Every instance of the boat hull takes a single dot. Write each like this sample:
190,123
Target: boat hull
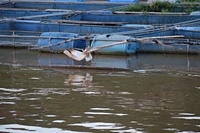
168,49
58,42
120,49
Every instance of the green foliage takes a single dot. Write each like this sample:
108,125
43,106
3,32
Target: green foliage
189,10
165,7
154,7
189,0
159,6
138,7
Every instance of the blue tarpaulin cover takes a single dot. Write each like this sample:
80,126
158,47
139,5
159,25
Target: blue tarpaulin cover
69,0
124,1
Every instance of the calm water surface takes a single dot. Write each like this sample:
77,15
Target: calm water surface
159,94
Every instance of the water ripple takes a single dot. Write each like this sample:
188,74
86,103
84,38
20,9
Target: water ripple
2,118
186,114
7,102
188,118
58,121
127,131
90,93
50,115
99,125
16,128
10,98
104,113
33,99
101,109
12,90
35,78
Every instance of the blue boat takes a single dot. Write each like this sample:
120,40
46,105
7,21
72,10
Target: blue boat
57,42
173,48
121,49
123,1
42,5
188,32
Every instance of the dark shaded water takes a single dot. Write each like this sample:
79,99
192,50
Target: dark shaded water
160,93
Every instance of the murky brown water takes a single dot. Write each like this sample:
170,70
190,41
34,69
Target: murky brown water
159,94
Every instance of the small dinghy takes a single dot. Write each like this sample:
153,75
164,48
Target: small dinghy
57,42
126,48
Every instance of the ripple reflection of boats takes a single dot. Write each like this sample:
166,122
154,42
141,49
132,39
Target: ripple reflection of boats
149,62
124,62
134,62
52,59
99,61
168,61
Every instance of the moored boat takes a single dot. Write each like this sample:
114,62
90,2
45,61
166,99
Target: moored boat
57,42
120,49
173,48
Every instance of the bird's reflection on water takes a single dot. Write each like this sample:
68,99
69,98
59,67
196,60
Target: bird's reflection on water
79,80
